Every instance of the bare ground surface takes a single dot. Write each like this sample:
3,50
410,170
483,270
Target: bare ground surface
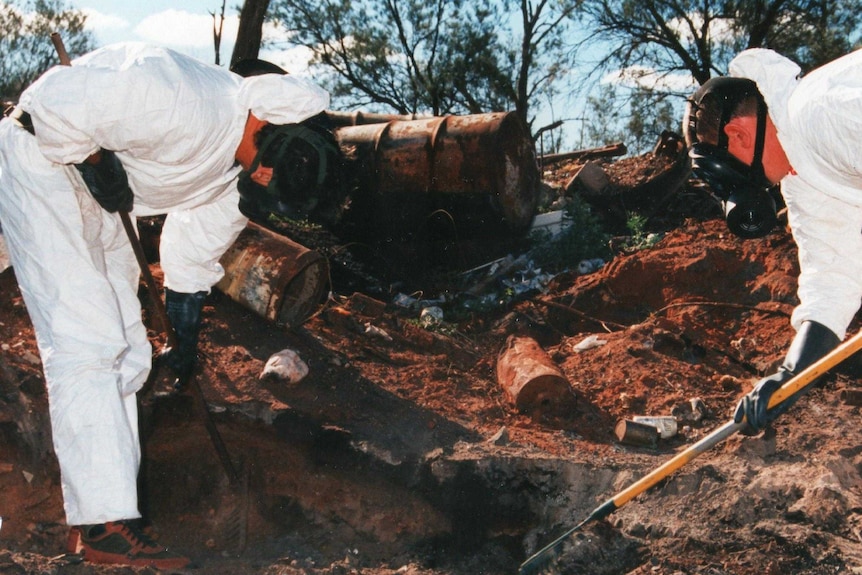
401,453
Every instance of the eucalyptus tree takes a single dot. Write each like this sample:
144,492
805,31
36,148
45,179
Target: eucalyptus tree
655,52
26,50
435,56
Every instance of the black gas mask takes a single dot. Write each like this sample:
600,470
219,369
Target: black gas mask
301,158
304,158
743,191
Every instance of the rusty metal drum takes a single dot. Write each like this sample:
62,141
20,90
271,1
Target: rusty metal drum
481,169
273,276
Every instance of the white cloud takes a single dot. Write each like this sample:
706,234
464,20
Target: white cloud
293,60
99,22
642,77
179,28
720,29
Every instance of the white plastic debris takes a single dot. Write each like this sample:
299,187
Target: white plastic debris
431,316
287,365
589,342
374,331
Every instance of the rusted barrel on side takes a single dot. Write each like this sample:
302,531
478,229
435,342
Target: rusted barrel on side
530,377
359,118
277,278
481,169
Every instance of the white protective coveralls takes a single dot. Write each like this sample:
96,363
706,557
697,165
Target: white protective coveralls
819,123
175,124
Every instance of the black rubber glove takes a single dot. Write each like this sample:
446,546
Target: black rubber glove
107,181
184,311
812,341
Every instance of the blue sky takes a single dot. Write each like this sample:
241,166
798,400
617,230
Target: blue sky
184,25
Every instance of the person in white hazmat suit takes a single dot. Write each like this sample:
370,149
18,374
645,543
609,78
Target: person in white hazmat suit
128,126
762,125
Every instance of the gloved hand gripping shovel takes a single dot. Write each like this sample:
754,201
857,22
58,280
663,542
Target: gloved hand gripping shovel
238,481
791,389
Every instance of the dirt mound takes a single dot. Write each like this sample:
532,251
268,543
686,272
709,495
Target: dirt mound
401,453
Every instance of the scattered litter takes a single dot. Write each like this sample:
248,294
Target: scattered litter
500,438
285,364
589,266
551,223
631,432
28,476
589,342
410,302
666,425
698,407
692,412
431,316
529,280
375,331
404,300
625,400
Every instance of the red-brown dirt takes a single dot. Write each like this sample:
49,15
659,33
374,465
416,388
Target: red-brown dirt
400,452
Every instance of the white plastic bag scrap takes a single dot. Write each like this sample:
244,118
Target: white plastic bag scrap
287,365
588,342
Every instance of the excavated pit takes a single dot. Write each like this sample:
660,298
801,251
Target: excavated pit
315,497
402,454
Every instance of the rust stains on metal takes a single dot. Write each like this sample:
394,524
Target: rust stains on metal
277,278
480,168
534,383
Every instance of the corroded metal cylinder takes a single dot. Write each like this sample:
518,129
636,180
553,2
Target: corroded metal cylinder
634,433
359,118
531,378
667,425
269,274
480,169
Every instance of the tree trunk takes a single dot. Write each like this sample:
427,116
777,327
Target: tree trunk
250,30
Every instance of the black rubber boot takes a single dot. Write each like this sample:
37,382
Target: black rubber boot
184,311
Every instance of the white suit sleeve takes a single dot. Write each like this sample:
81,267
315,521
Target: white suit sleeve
282,99
827,233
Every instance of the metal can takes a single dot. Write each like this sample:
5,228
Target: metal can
634,433
666,425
